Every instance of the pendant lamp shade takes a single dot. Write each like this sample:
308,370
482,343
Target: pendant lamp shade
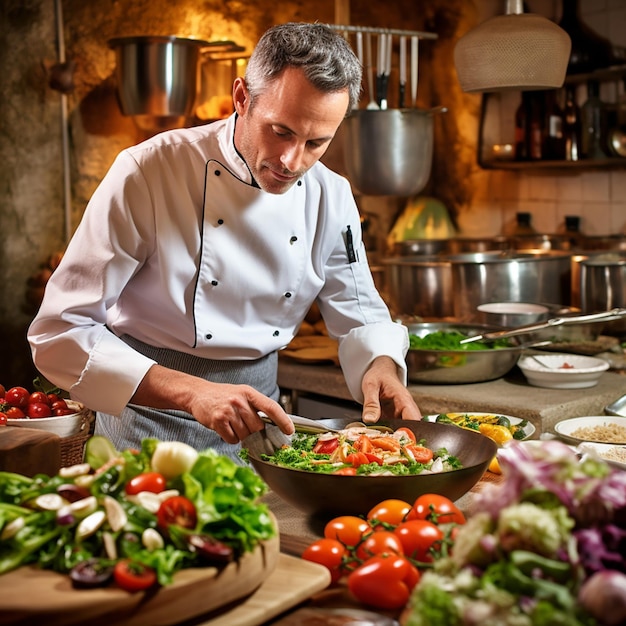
516,51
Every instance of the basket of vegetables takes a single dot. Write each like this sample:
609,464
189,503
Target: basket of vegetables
436,354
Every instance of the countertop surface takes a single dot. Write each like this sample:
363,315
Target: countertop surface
509,395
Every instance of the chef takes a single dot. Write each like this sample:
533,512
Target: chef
201,252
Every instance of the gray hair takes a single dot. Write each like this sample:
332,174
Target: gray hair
328,61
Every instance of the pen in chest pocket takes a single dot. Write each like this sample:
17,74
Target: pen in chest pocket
350,246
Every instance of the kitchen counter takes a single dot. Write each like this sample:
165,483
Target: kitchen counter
510,395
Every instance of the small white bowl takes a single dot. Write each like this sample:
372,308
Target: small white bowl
62,425
563,371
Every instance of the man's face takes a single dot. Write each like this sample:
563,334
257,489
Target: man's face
288,129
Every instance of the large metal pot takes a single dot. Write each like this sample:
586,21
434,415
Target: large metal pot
603,286
454,367
420,285
388,152
157,75
529,276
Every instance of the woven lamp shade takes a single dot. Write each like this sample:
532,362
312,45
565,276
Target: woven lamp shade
520,51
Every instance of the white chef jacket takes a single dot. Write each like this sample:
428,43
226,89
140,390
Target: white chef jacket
180,249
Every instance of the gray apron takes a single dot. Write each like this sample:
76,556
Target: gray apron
138,422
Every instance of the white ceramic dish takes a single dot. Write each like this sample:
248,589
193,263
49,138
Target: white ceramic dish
601,449
529,429
562,371
565,428
63,425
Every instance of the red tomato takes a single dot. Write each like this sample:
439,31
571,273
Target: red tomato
373,458
149,481
133,576
418,536
177,510
38,409
345,471
59,411
381,542
437,509
38,396
52,398
328,446
2,391
329,553
59,404
3,419
407,432
363,444
357,459
348,529
14,413
389,511
420,453
384,582
17,396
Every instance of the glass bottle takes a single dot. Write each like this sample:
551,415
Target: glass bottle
590,51
521,128
571,125
529,127
591,120
575,238
554,147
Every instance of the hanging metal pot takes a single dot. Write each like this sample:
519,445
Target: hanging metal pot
389,152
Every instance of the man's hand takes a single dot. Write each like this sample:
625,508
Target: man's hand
384,395
230,410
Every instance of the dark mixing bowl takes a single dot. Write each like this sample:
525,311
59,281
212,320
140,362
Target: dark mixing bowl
328,495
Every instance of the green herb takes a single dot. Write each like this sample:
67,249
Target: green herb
451,340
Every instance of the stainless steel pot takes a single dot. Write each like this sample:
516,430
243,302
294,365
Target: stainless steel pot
455,367
603,286
388,152
157,76
529,276
420,285
461,245
412,247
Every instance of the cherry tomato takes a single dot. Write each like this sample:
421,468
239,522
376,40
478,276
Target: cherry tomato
17,396
420,453
15,413
437,509
149,481
384,582
59,404
345,471
2,391
329,553
177,510
348,529
407,432
133,576
52,398
390,511
328,446
38,409
418,536
3,419
381,542
357,459
38,396
59,411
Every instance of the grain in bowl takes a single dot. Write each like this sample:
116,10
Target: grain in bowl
605,433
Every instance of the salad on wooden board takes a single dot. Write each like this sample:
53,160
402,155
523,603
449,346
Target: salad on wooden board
135,517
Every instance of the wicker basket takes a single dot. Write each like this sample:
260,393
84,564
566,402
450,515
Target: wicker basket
73,447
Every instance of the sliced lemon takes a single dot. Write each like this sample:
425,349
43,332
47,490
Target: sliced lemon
500,434
494,466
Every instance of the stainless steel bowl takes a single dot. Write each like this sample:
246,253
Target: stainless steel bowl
327,495
454,367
